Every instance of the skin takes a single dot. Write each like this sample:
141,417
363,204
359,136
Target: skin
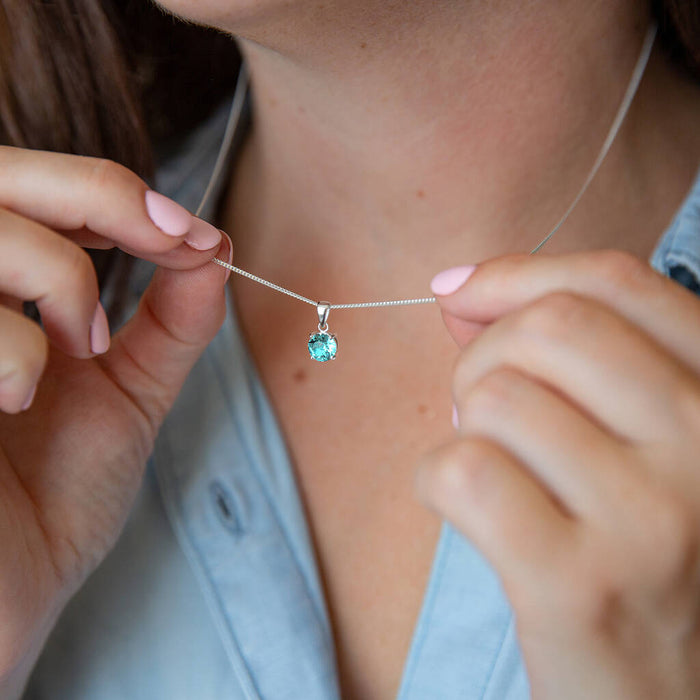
411,171
461,132
586,500
94,418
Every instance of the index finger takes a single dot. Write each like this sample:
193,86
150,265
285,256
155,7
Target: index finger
77,193
664,309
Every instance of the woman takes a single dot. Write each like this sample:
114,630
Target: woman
276,548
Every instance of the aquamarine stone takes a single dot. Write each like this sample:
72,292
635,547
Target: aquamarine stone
322,346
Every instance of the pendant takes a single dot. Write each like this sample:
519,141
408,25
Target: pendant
322,345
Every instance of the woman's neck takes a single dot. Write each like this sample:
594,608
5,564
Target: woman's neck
446,133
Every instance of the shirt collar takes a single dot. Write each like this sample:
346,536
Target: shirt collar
679,245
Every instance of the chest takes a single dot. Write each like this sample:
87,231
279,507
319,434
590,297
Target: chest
354,435
374,545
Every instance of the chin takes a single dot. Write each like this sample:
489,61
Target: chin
233,16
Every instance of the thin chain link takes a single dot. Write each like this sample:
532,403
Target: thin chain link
271,285
360,305
242,85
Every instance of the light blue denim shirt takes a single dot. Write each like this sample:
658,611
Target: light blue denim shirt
212,591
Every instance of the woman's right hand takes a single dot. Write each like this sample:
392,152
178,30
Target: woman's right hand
71,463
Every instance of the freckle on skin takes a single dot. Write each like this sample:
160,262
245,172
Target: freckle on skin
420,194
422,408
363,45
299,375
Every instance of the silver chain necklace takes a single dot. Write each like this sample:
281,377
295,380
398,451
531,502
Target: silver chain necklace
322,344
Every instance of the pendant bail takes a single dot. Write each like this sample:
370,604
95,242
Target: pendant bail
323,309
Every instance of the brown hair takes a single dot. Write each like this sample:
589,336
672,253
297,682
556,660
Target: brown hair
106,78
102,78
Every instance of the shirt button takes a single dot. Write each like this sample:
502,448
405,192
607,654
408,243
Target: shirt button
225,507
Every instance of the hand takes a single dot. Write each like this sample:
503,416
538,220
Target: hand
576,467
71,464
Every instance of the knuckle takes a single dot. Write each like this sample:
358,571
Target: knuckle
77,271
22,363
38,348
554,308
448,476
103,173
35,352
493,395
28,355
551,315
621,268
465,467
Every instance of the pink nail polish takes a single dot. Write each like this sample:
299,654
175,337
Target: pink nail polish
167,215
30,398
230,254
99,331
450,280
455,417
202,236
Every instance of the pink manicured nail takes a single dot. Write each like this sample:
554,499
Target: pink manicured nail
167,215
449,281
455,417
30,398
230,254
203,236
99,331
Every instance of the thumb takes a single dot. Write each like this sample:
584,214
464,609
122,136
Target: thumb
178,315
444,286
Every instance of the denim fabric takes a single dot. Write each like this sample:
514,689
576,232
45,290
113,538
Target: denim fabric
212,591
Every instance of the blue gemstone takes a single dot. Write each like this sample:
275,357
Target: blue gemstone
322,346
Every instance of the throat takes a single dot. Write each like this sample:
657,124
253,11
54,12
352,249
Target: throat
354,429
374,227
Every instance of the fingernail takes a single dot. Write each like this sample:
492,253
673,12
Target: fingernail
455,417
449,281
167,215
203,236
30,398
99,331
230,254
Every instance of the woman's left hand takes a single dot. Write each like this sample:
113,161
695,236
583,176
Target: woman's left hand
576,466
